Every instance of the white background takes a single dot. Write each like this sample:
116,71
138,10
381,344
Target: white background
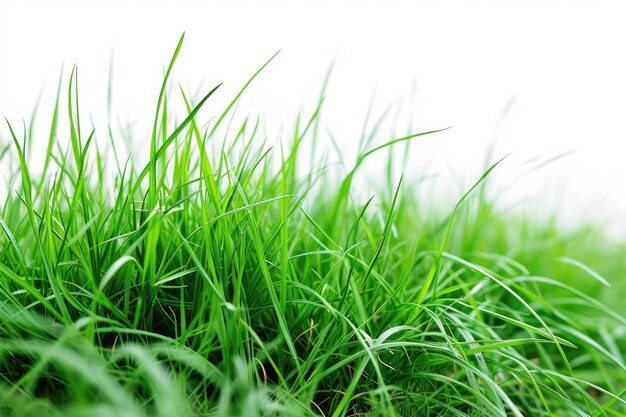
450,63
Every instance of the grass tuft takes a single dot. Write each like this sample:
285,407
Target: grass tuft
225,277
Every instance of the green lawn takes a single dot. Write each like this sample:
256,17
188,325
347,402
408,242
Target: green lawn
224,279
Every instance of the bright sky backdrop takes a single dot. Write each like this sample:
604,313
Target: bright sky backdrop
561,65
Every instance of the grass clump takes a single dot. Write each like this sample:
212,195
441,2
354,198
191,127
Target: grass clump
219,280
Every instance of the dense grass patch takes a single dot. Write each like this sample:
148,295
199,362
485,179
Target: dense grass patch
221,278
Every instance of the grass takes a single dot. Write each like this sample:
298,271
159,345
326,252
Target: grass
221,278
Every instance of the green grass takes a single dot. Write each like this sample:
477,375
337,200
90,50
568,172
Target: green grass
226,277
